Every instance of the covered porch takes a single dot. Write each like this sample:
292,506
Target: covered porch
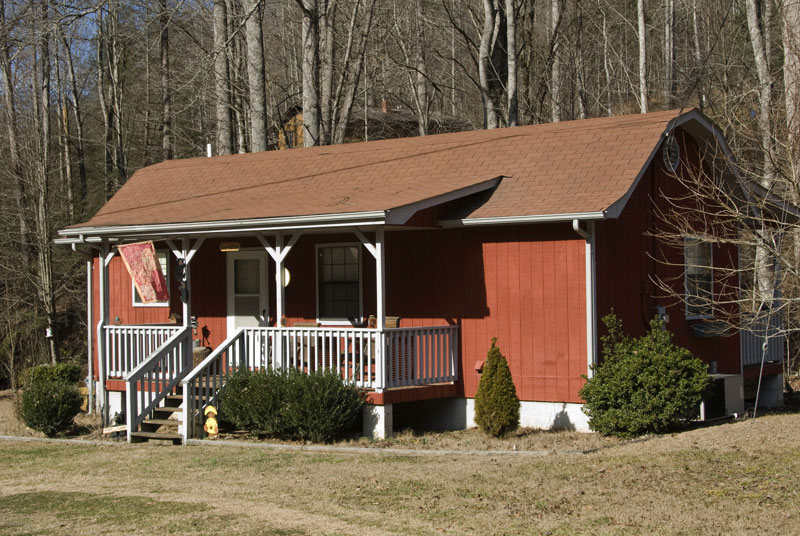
241,296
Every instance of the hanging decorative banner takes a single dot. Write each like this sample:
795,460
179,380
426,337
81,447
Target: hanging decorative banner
145,270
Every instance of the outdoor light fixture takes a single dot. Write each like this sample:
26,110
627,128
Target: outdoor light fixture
229,246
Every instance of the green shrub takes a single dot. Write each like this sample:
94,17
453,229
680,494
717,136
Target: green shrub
321,406
50,405
256,401
65,372
316,407
644,385
496,402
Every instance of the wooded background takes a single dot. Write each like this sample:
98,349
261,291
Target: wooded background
93,91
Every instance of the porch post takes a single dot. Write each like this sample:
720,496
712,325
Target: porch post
278,254
380,313
89,339
104,259
187,303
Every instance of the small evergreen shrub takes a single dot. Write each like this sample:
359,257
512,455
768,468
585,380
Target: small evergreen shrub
643,385
255,401
49,404
321,406
65,372
496,402
316,407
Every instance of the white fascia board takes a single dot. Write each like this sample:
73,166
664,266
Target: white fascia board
400,215
510,220
321,221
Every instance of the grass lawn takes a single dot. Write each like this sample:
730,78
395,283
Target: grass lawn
733,478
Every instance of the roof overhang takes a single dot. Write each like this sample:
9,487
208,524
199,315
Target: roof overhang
511,220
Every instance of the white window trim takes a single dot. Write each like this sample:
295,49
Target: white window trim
688,315
329,322
166,276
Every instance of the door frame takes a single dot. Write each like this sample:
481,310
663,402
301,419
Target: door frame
245,253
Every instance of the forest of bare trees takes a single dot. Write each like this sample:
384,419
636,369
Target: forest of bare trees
93,90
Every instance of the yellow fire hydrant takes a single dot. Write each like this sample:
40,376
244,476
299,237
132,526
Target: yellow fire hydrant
210,426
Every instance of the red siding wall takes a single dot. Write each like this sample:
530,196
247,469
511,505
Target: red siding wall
524,285
626,255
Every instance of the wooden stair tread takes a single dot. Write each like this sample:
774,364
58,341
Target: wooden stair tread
157,435
169,409
163,422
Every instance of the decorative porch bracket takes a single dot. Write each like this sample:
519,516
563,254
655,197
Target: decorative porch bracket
377,250
278,254
186,253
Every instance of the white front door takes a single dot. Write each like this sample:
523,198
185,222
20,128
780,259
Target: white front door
247,289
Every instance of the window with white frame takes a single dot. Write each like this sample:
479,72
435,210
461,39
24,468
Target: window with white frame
339,283
699,278
163,261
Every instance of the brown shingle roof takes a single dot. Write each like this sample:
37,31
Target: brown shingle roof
561,168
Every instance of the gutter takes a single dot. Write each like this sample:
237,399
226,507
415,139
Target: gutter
225,226
538,218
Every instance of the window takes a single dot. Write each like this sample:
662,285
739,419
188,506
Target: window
339,283
699,278
163,260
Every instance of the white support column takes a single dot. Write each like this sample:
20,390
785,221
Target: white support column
104,260
278,254
187,304
380,298
378,250
90,384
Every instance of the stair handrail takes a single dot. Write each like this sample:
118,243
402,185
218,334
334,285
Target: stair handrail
156,377
196,395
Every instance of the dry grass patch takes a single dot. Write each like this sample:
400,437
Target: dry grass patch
735,478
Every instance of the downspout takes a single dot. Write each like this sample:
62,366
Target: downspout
89,339
591,293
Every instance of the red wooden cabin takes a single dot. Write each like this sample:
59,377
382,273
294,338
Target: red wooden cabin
527,234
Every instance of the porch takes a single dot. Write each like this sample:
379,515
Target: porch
155,362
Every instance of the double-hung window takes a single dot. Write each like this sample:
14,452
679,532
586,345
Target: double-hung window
163,262
699,278
339,283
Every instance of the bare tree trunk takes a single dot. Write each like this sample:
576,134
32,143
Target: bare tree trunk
326,10
607,68
167,148
77,116
311,73
581,74
20,193
791,84
256,77
642,57
65,169
757,34
669,52
698,60
41,109
555,68
488,52
511,49
349,80
222,79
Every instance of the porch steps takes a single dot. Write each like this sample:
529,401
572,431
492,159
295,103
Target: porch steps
162,424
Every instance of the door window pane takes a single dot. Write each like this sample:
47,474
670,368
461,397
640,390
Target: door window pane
246,274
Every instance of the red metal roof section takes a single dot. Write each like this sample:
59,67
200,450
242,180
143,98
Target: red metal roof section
559,168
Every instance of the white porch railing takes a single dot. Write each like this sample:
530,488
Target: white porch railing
369,358
752,341
156,377
127,346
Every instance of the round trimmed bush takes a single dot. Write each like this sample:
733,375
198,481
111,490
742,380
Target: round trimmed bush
321,406
50,405
496,402
256,401
65,372
643,385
